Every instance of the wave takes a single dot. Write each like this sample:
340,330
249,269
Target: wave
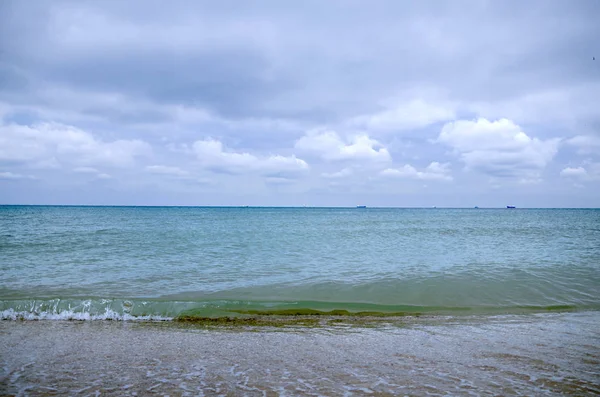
99,309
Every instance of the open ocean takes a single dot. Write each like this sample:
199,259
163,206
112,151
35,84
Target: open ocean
500,292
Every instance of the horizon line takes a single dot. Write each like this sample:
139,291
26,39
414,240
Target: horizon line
278,206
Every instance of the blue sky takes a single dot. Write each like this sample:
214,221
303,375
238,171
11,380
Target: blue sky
382,103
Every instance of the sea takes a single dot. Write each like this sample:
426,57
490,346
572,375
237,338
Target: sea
299,301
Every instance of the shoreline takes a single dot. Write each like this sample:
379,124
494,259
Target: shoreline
244,312
291,319
296,318
552,354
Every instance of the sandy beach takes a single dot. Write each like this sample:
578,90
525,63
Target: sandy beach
550,354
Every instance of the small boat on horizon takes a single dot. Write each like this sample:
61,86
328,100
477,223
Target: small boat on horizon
510,206
361,206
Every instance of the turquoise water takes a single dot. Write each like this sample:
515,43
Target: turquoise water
161,262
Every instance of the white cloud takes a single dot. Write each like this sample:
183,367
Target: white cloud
574,172
12,175
166,170
278,181
433,172
585,144
91,170
330,146
213,155
412,114
498,148
339,174
56,143
591,172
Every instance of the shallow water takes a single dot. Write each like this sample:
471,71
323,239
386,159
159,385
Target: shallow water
543,354
153,262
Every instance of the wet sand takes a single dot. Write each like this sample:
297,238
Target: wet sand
546,354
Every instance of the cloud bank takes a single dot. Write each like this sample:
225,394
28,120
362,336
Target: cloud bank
325,103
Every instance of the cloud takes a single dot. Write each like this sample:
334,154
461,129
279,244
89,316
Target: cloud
568,106
591,172
92,171
433,172
574,172
127,88
329,146
86,170
498,148
57,143
167,170
214,156
585,144
270,61
411,114
12,175
277,181
346,172
178,174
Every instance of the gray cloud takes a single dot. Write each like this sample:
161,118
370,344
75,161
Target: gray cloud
387,79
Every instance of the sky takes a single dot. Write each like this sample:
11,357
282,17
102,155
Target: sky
318,103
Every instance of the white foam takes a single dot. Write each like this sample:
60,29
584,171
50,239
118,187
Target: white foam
108,315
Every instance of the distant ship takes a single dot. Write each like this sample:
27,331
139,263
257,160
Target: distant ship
510,206
361,206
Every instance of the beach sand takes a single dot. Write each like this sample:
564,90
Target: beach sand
545,354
